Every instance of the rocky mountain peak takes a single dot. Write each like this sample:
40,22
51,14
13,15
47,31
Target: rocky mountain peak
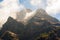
41,14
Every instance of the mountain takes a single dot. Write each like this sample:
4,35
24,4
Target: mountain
39,27
41,14
27,32
12,25
21,15
27,15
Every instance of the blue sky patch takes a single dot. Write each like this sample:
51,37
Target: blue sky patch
1,0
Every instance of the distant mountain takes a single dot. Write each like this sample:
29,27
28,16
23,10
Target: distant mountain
21,15
41,14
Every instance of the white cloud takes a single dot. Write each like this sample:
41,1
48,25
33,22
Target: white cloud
9,8
38,3
29,15
53,6
35,2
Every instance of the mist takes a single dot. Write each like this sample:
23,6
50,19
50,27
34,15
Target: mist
8,8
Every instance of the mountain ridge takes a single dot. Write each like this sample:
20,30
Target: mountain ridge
41,14
34,27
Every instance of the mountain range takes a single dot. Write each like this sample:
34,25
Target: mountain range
39,23
26,15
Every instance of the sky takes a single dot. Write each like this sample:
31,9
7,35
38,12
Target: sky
10,7
52,7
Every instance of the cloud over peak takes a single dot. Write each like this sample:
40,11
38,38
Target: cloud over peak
51,6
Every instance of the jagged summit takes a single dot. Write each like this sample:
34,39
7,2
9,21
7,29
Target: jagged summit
41,14
12,24
41,11
22,14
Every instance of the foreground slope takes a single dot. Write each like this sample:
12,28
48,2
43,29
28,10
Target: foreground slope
27,32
